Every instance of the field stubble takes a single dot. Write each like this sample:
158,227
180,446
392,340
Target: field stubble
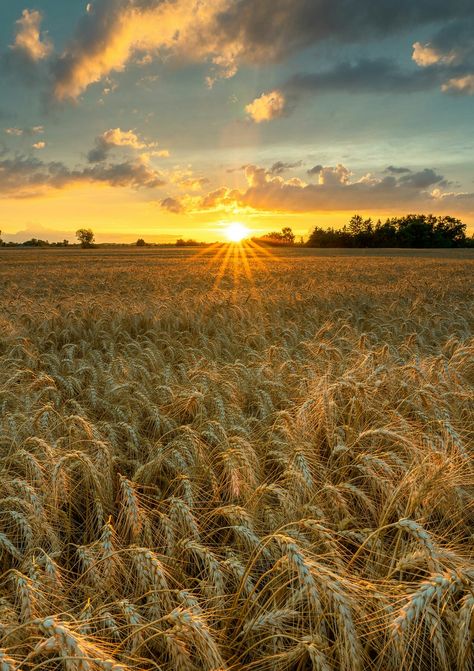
273,473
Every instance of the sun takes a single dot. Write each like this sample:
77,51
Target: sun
237,232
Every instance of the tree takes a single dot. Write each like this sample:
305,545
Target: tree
287,235
141,242
85,237
361,231
451,232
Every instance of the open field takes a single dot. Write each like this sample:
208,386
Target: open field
264,463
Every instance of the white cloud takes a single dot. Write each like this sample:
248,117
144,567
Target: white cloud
267,107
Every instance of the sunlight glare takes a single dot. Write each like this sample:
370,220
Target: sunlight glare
237,232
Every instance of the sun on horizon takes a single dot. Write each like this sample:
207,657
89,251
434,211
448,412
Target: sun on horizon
236,232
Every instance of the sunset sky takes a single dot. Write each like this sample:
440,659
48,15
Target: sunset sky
170,118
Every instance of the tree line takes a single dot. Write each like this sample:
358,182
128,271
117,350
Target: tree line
411,230
85,237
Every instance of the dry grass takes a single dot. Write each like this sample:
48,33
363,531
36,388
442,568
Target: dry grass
276,474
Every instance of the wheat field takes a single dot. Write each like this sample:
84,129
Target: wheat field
259,465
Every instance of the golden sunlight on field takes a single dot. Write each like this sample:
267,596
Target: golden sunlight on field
236,460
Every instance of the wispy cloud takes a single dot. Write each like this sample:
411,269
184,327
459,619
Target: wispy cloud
460,85
28,39
30,47
18,132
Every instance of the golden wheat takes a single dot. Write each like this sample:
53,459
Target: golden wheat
269,472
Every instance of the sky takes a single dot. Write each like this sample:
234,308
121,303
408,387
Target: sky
163,119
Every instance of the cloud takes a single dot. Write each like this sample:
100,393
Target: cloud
422,179
461,85
281,167
315,170
451,51
225,33
28,41
269,106
379,75
115,32
18,132
173,205
39,145
334,176
115,137
193,183
397,171
136,174
26,177
29,48
337,189
425,55
452,45
270,29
